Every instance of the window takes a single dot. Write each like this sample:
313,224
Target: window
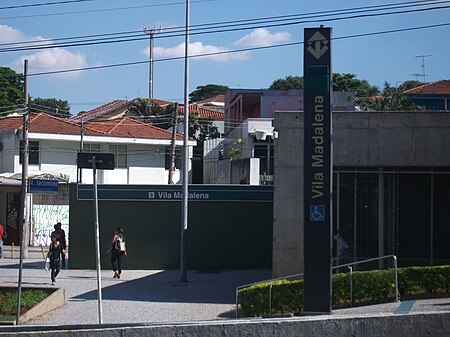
264,151
33,152
120,155
91,148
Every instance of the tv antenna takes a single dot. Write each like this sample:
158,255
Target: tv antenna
424,74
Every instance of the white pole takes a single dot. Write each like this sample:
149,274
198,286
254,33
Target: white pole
184,213
97,243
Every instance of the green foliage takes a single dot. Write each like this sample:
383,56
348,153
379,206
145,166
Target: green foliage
289,82
409,85
202,129
52,106
152,113
11,90
391,99
235,151
349,82
368,287
207,91
29,298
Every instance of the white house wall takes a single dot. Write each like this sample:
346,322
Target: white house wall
10,144
146,162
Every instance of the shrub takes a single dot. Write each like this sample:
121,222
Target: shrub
368,287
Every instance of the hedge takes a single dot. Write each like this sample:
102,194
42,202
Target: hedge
374,286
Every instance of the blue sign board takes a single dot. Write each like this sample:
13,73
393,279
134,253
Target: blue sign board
43,186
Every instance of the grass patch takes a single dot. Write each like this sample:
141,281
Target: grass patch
29,298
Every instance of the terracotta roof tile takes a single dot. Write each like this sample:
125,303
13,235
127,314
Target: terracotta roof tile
130,128
205,113
215,99
119,127
43,123
101,110
441,87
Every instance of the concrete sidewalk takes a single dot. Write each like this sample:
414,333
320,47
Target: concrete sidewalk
155,297
140,296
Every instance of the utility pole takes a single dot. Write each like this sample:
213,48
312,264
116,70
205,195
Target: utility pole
150,32
172,145
23,215
80,170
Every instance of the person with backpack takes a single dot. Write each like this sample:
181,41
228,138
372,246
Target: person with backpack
118,250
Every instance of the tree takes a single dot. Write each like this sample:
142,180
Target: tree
289,82
349,83
202,129
207,91
409,85
11,90
151,112
391,99
52,106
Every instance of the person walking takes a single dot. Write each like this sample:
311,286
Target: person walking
118,250
60,235
2,237
54,254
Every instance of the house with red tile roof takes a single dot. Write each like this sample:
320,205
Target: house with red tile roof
431,96
208,109
140,150
141,153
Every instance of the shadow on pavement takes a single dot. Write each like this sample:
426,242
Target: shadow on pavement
217,287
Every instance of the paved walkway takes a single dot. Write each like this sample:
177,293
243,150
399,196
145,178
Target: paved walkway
140,296
156,296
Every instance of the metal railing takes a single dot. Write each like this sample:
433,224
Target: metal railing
349,265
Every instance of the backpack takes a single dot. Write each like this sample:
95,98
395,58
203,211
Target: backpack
119,245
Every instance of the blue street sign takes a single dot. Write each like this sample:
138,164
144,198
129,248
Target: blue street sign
43,186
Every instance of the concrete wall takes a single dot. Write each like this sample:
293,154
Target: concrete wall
418,325
360,139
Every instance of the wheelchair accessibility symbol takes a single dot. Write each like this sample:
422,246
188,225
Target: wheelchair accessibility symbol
317,213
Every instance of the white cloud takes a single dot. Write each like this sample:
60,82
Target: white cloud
52,60
261,37
45,60
219,54
9,35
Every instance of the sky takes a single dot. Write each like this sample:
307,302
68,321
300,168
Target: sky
248,44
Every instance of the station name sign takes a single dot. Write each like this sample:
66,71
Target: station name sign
174,192
318,169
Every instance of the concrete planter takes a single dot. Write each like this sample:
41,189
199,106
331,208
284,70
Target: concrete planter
55,300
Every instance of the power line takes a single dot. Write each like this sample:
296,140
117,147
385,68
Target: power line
46,4
238,50
222,27
100,10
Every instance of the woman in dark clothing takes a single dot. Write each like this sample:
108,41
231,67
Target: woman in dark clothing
117,251
54,254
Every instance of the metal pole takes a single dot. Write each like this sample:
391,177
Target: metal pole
97,243
172,145
150,32
150,84
23,209
80,170
184,212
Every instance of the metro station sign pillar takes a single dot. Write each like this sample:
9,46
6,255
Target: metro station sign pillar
318,164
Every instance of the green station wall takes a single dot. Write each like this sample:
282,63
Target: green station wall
222,234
